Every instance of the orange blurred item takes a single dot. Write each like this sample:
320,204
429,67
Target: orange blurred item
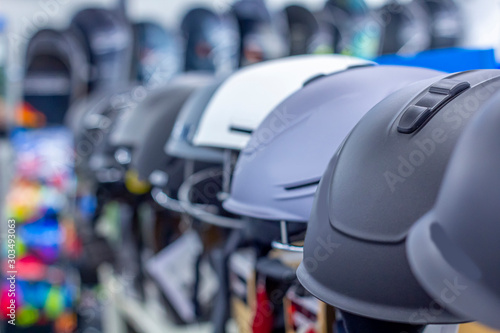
475,328
29,117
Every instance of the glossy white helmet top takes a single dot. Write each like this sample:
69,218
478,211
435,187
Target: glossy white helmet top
250,94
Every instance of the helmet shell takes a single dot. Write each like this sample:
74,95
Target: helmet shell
263,34
180,144
383,178
278,171
157,54
56,73
149,156
454,250
211,41
243,100
108,40
446,23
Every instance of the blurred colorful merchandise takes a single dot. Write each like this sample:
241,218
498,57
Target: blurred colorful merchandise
3,54
46,238
45,156
39,302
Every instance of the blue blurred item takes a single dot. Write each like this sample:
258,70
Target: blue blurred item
43,237
447,60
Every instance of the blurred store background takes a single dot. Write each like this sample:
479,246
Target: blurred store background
102,248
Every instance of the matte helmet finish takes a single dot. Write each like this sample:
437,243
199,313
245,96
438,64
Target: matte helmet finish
180,144
56,73
149,155
243,100
279,170
457,241
385,176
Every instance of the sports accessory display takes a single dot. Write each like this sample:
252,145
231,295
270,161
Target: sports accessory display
383,178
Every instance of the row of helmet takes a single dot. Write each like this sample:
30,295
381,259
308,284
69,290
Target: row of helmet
400,226
102,49
327,146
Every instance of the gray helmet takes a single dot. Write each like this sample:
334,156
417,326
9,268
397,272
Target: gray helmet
277,173
108,39
446,22
383,178
303,29
180,143
454,250
91,120
56,73
149,158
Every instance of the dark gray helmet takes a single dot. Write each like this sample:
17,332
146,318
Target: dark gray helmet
211,41
56,73
107,37
384,177
406,27
303,29
263,35
157,54
91,120
446,22
454,249
149,159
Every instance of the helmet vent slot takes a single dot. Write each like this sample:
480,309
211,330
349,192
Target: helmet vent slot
240,130
299,186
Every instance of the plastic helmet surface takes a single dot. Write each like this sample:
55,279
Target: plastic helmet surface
243,100
279,170
384,177
180,144
148,158
454,250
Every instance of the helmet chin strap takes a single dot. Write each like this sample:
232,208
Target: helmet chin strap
358,324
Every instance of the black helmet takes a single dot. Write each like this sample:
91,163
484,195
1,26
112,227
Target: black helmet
353,28
406,27
263,35
107,37
55,73
157,54
384,177
91,120
454,249
303,29
149,159
446,22
211,41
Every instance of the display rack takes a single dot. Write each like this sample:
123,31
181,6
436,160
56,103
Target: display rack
148,317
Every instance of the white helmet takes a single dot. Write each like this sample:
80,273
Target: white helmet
249,95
